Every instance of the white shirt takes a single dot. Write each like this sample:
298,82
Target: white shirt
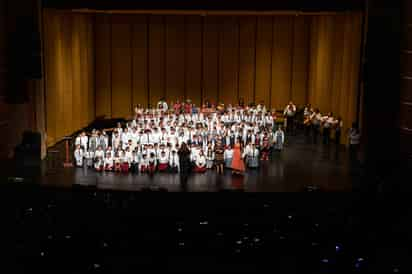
163,159
84,141
201,161
354,137
228,154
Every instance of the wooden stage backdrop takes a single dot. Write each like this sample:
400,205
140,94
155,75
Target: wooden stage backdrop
104,64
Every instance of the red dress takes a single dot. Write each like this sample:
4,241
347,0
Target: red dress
237,161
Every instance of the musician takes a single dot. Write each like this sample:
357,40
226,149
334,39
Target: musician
307,120
354,137
327,123
289,113
316,118
338,125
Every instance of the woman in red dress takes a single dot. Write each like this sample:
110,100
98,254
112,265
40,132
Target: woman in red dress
238,166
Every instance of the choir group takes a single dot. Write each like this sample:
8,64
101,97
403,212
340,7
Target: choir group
220,137
214,136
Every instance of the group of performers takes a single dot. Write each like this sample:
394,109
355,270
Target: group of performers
157,139
215,136
315,124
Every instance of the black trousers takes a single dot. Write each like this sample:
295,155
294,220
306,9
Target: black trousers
290,125
315,133
337,137
307,130
326,136
353,154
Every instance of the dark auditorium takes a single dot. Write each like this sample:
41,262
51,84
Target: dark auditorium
206,136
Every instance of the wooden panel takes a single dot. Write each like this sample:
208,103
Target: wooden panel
406,142
282,57
406,64
139,67
121,66
247,58
175,57
406,89
300,59
69,73
406,38
194,58
60,129
3,45
229,55
339,93
91,68
76,74
211,59
67,95
263,59
406,115
156,59
84,77
50,29
103,66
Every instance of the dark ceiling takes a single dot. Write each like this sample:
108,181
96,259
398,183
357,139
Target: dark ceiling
306,5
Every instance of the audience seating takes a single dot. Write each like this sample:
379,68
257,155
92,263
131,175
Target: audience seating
85,230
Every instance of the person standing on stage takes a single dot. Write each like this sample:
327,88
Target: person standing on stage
174,165
338,125
279,139
78,156
316,118
327,122
307,120
252,157
289,113
238,166
354,143
184,160
219,155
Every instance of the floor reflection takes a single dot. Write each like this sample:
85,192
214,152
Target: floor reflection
298,165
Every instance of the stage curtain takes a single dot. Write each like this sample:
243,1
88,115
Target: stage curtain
175,58
140,92
211,58
334,65
193,59
121,66
247,43
263,70
157,59
103,53
69,73
228,60
106,64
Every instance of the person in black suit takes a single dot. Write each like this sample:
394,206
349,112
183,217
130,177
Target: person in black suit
185,164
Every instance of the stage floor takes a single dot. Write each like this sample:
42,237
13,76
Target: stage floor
299,165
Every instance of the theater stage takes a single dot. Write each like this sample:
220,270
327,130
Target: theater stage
298,166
